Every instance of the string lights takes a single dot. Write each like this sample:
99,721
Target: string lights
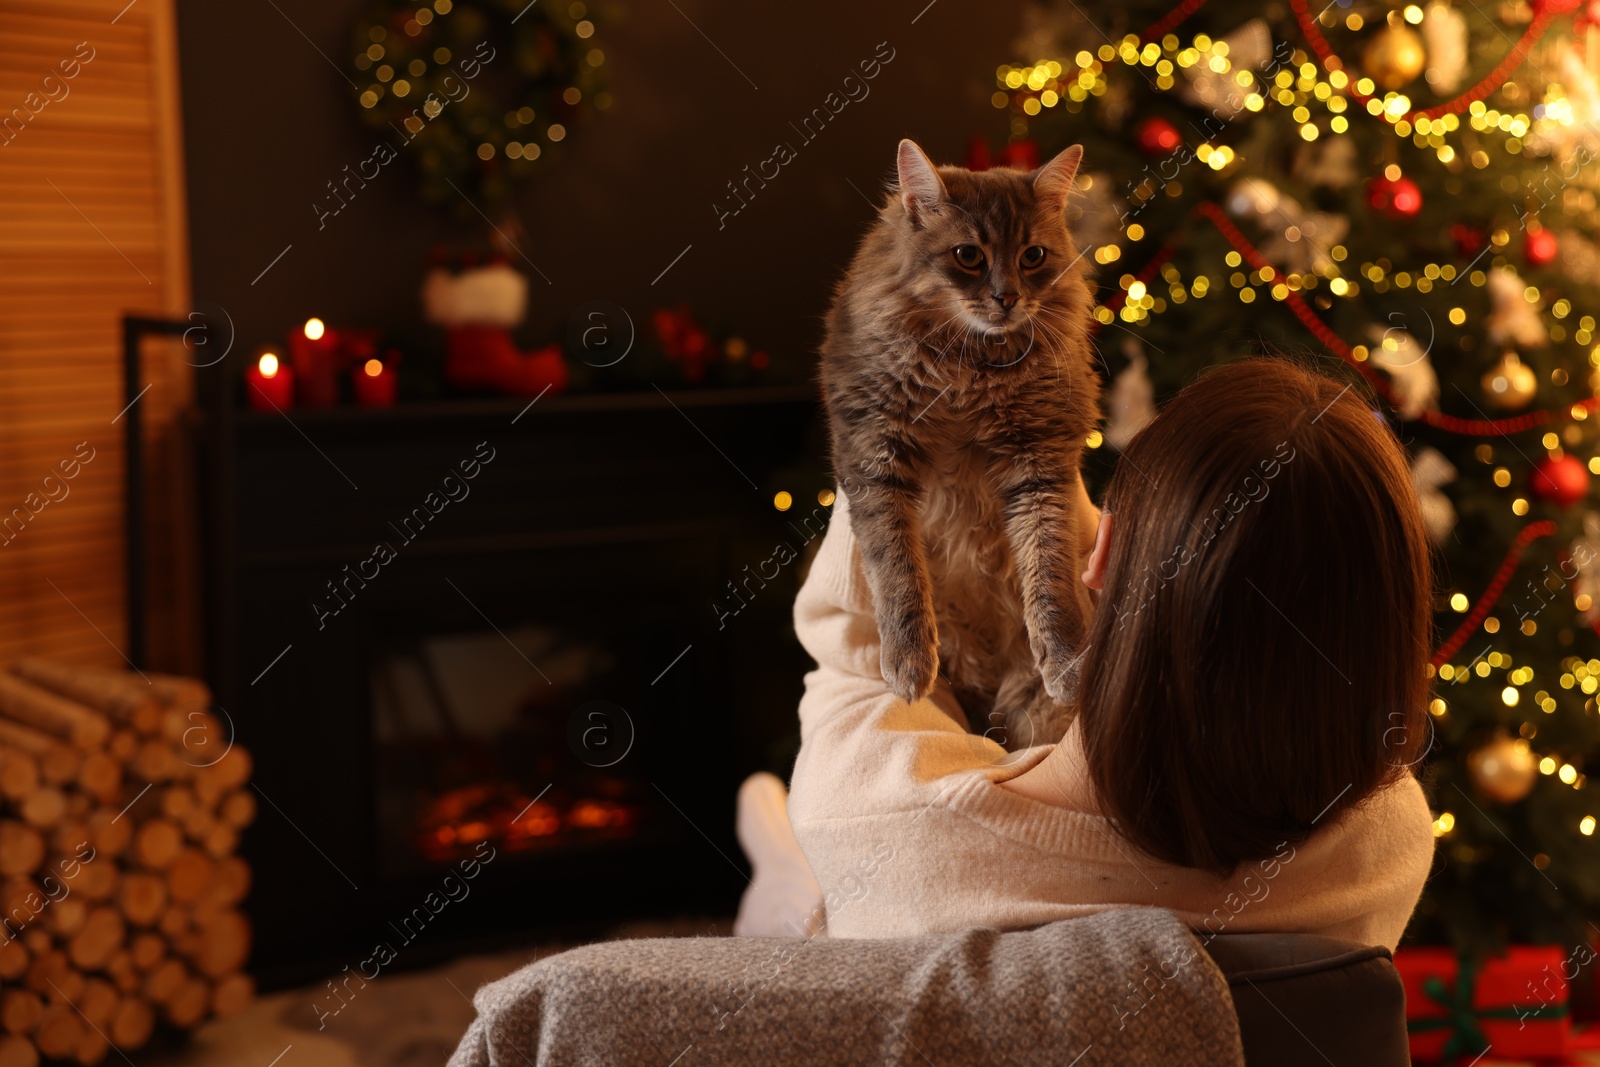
1513,114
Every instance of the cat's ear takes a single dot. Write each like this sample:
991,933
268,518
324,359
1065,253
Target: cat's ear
1054,181
920,187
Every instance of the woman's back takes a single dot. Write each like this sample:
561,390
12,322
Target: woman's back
1252,699
911,824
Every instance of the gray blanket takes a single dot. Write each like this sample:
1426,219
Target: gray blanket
1123,987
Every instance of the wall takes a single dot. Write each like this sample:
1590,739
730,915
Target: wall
91,183
269,121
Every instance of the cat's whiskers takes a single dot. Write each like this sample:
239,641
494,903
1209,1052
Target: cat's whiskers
1066,325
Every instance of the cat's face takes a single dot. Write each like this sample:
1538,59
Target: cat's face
989,250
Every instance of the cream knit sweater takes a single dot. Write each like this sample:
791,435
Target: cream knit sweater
901,814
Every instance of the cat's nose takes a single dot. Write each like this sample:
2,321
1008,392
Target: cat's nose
1006,300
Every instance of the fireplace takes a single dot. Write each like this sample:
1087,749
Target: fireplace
477,633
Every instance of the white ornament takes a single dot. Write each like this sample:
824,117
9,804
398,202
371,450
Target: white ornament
1253,198
1249,48
1299,240
1132,403
1580,257
1328,162
1430,472
1444,37
1578,78
1584,567
1302,244
1411,374
1579,136
1514,323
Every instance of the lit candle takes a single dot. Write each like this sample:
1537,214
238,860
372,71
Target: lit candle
314,351
376,384
269,384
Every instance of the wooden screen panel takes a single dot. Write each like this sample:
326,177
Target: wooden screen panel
91,227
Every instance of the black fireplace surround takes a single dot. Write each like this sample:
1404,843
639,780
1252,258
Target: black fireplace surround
542,644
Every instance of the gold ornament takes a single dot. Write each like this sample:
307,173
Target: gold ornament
1509,384
1394,58
1504,769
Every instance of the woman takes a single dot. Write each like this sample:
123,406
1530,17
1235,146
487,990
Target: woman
1250,707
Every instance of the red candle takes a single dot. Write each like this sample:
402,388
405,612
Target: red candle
314,350
376,384
269,384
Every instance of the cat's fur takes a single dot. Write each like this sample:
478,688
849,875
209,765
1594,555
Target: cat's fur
958,425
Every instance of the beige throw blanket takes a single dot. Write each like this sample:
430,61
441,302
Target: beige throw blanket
1129,987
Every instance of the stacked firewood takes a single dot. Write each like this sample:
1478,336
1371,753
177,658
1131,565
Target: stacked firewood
121,803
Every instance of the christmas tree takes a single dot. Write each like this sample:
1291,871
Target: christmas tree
1407,193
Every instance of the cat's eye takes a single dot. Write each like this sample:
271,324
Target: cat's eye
1032,256
968,256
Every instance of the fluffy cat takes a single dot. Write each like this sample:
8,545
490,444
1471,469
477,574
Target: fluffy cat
959,385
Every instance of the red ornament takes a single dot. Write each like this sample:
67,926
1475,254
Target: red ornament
1562,480
1540,248
1158,137
1398,198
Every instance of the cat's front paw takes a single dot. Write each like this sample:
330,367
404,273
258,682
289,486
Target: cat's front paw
1059,660
1060,673
909,657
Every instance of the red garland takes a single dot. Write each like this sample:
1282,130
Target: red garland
1336,344
1530,533
1146,274
1172,20
1543,14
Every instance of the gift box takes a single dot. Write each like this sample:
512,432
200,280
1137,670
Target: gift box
1516,1003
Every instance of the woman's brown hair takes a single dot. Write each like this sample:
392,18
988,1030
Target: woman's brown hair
1257,656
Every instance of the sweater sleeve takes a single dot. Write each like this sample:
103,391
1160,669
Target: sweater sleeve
863,750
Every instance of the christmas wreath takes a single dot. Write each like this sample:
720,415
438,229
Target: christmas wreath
481,93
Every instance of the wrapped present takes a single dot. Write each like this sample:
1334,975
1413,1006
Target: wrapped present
1516,1003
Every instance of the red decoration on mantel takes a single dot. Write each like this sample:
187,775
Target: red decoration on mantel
1022,154
684,340
375,383
978,157
1562,480
1398,198
269,384
314,349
